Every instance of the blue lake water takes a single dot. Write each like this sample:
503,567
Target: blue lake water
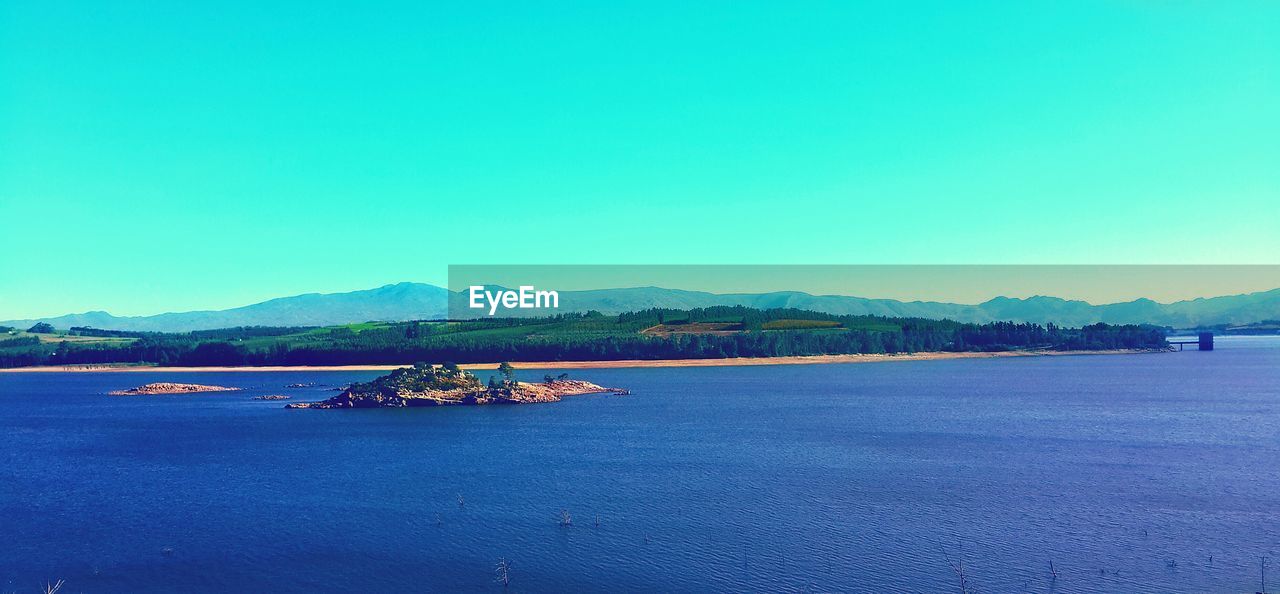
1151,473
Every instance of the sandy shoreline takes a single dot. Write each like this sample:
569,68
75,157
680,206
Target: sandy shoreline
738,362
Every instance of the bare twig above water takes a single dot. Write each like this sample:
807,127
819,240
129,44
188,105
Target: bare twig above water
957,567
504,572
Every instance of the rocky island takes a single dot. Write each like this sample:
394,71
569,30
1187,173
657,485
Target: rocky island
169,388
447,385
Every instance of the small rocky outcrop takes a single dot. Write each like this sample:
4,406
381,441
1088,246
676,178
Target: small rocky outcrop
272,397
170,388
438,386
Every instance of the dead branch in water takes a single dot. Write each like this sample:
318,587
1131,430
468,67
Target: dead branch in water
504,572
957,567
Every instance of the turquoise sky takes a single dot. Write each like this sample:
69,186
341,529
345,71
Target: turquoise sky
170,156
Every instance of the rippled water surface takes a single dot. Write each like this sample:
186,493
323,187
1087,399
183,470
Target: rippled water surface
1130,473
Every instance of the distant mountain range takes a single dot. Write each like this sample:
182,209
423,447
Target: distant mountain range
403,301
418,301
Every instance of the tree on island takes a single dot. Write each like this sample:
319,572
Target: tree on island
41,328
508,373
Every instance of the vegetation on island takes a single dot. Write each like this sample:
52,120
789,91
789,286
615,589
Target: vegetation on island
420,378
447,385
716,332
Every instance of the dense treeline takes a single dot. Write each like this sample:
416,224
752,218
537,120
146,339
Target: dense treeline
100,333
239,332
1001,336
19,341
590,336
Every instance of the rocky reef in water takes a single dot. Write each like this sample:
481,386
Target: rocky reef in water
169,388
426,385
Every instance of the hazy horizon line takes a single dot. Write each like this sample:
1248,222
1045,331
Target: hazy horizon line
651,286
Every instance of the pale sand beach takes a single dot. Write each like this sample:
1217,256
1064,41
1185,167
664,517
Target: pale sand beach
734,362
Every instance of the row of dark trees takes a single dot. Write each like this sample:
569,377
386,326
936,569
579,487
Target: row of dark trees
1001,336
575,337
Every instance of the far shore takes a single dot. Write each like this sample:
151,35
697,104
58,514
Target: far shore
733,362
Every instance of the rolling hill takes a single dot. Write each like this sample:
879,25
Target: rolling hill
418,301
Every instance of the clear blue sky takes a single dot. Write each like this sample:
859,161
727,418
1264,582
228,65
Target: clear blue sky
170,156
